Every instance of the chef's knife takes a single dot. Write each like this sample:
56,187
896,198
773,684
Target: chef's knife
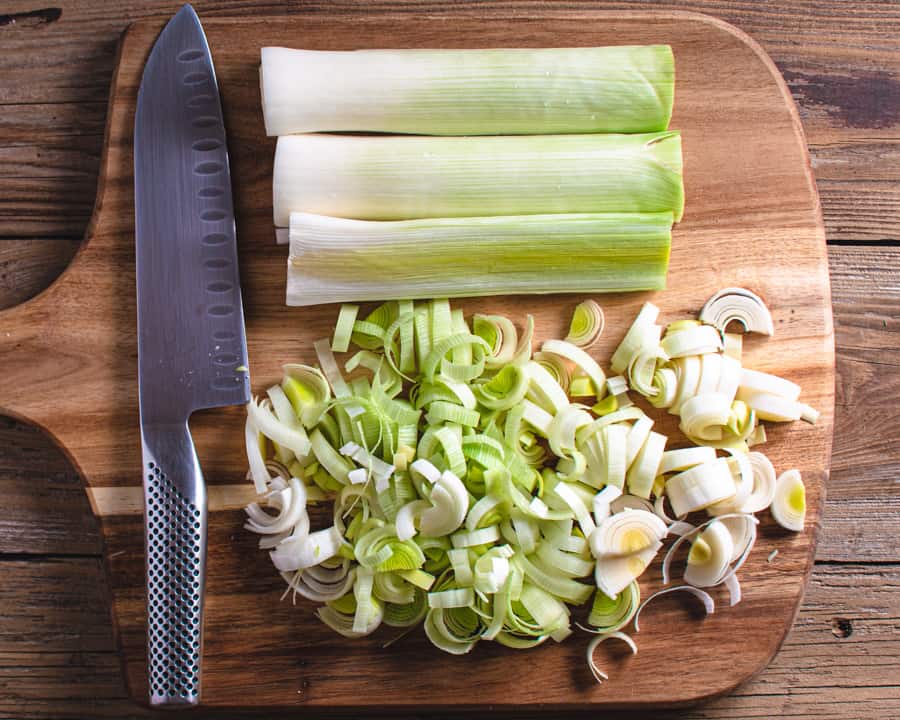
192,352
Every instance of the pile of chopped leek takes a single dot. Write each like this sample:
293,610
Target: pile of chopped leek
508,170
482,489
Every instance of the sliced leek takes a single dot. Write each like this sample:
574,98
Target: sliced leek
449,504
789,505
772,407
700,486
587,324
584,362
763,491
692,533
598,674
614,574
743,532
739,305
756,382
695,371
677,460
710,556
611,614
627,533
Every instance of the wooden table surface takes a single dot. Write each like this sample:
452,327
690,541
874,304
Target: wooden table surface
842,63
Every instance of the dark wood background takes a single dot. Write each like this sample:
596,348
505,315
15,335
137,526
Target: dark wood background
842,63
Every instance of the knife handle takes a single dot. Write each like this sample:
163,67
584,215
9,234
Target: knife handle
175,541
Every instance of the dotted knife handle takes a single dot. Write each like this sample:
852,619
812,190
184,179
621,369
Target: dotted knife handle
175,539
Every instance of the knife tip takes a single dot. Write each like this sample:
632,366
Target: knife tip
187,10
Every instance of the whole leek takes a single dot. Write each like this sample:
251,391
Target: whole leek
623,89
401,178
335,259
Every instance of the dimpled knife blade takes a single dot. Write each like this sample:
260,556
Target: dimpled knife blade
192,351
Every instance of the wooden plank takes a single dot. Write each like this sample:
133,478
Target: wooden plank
841,656
59,685
870,215
71,157
856,172
750,187
53,604
37,123
838,661
862,512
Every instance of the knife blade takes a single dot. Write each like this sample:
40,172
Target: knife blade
192,351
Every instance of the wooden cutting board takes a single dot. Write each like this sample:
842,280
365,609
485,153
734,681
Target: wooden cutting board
68,360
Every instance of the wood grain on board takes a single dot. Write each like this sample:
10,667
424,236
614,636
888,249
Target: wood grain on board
752,206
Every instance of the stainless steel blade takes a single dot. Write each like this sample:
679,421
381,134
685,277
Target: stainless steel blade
190,319
191,343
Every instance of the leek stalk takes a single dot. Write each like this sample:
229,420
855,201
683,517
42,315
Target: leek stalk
402,178
335,259
466,92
